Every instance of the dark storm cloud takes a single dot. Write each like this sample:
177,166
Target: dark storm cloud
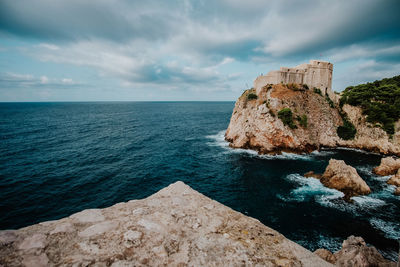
184,42
66,20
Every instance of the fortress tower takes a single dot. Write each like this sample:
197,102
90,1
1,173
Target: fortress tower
317,74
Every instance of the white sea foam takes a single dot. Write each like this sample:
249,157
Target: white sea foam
219,141
311,187
357,150
391,229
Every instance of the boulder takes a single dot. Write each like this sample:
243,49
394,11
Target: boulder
395,179
355,252
397,191
340,176
388,166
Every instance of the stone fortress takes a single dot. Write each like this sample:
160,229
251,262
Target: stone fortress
317,74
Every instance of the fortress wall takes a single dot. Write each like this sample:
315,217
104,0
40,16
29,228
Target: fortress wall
315,74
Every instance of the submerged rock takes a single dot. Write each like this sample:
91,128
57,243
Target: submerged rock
177,226
388,166
338,175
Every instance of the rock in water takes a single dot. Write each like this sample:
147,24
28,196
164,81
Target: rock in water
388,166
395,179
338,175
355,252
175,227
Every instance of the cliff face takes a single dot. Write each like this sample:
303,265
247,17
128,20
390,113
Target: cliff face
175,227
255,123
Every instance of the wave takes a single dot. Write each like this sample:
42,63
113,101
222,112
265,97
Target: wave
311,188
219,141
391,229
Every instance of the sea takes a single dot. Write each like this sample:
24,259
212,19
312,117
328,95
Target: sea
60,158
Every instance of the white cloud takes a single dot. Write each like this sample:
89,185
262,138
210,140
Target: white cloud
44,80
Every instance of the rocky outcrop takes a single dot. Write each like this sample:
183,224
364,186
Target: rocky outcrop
175,227
326,255
355,252
395,179
388,166
255,123
340,176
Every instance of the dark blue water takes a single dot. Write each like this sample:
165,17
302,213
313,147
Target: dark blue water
59,158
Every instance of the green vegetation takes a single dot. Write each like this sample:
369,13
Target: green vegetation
347,131
379,100
330,102
286,116
317,91
305,86
303,121
252,96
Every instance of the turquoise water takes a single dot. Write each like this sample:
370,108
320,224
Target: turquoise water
60,158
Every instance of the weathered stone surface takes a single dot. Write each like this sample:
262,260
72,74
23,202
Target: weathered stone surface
395,179
34,241
7,237
388,166
63,228
254,124
326,255
397,191
35,260
355,252
175,227
98,229
340,176
88,216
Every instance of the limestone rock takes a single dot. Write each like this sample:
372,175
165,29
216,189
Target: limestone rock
177,226
326,255
388,166
397,191
395,179
35,260
34,241
7,237
340,176
255,123
88,216
355,252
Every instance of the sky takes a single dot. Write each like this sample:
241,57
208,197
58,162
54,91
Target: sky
186,50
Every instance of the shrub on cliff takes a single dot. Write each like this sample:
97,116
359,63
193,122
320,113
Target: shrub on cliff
252,96
379,101
347,131
317,91
286,117
330,102
303,121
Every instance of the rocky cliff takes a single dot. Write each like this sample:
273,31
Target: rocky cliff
298,119
175,227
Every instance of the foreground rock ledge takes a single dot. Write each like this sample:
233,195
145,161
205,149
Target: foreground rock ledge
176,226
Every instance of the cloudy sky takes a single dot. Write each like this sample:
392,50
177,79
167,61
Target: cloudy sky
80,50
